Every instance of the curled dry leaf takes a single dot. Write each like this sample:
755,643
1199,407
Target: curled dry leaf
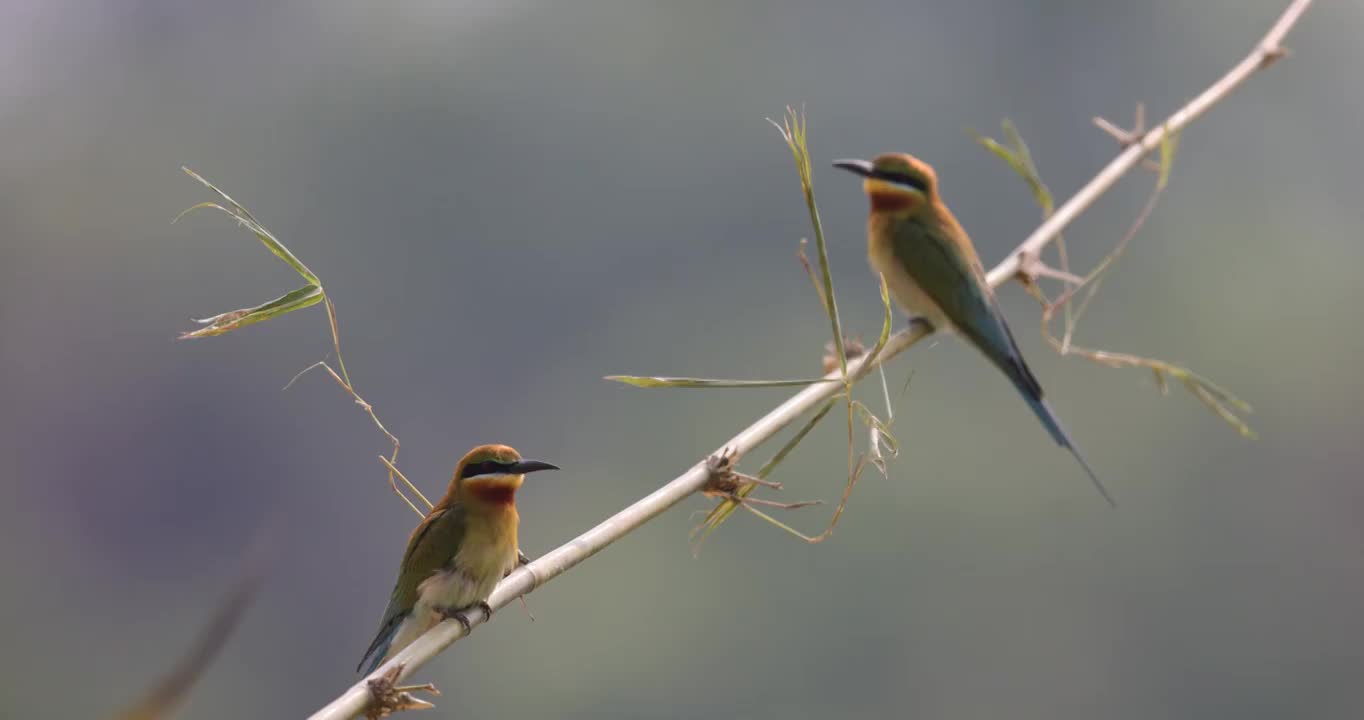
387,697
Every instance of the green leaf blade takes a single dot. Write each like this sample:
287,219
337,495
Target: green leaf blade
306,296
247,220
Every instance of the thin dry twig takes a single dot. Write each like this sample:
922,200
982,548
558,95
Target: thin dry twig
307,296
1221,402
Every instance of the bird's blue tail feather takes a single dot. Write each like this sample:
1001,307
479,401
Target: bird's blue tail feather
1053,426
379,648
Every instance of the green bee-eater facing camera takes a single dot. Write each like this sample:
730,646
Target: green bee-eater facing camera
456,556
933,272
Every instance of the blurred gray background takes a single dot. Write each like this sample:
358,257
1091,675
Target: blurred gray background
509,200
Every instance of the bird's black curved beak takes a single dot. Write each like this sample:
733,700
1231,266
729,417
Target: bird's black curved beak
530,466
856,167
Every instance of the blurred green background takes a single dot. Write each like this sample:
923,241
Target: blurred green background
509,200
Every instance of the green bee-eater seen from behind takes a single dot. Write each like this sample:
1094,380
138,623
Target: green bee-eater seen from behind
933,272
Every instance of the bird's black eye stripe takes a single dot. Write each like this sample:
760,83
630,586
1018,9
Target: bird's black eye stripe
903,179
487,467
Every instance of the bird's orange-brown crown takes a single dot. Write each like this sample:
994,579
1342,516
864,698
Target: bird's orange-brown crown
900,182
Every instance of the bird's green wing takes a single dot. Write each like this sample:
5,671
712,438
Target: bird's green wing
433,544
955,281
938,257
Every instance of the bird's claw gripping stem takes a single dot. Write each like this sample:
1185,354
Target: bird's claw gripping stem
459,616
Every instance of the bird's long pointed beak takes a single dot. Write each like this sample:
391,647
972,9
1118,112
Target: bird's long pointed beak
856,167
530,466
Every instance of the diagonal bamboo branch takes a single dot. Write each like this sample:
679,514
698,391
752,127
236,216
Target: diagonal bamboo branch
1265,54
527,578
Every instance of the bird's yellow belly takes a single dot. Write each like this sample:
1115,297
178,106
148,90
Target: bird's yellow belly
485,556
908,295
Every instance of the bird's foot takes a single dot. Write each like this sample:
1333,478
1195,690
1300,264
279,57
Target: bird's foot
922,322
460,615
521,559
